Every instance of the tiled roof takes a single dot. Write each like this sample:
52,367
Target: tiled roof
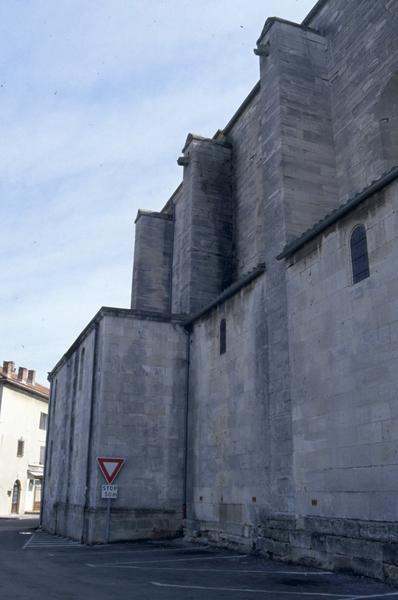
36,388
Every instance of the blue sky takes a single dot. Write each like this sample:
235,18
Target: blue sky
96,100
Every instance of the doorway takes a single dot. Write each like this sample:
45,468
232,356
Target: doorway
37,495
16,497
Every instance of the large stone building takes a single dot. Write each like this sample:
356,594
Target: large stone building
252,385
23,424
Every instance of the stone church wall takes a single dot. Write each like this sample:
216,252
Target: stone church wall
343,358
153,255
291,433
363,57
180,271
144,370
68,440
138,413
203,224
247,188
296,135
229,423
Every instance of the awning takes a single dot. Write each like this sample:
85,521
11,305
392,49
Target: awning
35,471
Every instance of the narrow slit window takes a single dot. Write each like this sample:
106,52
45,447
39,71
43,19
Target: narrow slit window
75,372
53,396
223,336
359,254
81,368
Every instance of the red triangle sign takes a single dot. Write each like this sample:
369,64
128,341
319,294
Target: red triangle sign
110,467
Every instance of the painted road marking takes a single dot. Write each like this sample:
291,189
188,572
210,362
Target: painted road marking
45,540
148,562
148,550
236,571
388,594
249,590
27,543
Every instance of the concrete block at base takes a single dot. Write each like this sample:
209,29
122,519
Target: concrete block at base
130,525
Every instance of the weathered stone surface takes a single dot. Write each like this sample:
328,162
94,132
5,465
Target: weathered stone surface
152,262
285,440
203,259
137,409
344,381
362,58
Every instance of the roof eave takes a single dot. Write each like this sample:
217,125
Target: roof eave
23,388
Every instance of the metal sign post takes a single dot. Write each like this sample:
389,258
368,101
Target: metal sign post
108,521
109,492
110,467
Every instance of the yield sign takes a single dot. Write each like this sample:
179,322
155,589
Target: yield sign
110,467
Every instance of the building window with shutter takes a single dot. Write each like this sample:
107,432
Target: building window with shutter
42,455
359,254
43,421
20,447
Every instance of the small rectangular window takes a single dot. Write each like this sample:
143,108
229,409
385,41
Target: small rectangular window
42,455
359,254
53,398
81,368
43,421
223,336
75,373
20,448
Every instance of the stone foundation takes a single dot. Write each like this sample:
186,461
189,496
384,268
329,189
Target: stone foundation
126,524
368,548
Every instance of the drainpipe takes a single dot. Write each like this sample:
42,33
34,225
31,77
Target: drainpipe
185,491
84,533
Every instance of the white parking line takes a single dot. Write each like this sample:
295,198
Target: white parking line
107,550
53,546
27,543
249,590
44,540
236,571
172,560
388,594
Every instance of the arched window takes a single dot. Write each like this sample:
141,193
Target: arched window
359,254
223,336
16,497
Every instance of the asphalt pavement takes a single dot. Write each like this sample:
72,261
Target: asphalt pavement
37,566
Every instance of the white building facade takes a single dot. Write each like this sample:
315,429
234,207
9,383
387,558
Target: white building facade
23,425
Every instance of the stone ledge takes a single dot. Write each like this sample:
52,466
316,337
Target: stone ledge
153,214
